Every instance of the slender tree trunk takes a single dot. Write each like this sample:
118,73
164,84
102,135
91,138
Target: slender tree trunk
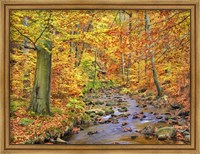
121,40
95,68
76,56
40,97
128,68
155,76
130,54
138,71
122,58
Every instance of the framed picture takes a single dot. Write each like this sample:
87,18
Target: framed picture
103,76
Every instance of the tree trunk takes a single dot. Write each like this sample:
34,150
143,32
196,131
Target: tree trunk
155,76
138,71
128,69
40,97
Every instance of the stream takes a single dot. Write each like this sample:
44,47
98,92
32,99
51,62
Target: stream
120,127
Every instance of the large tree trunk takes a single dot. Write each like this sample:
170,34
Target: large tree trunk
40,97
155,76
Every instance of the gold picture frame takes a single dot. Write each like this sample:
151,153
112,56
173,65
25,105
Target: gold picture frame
193,5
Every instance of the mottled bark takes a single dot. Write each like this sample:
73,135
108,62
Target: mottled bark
40,97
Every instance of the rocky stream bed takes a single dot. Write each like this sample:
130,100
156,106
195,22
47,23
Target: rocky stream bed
122,119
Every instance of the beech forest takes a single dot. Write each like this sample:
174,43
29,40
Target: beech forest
99,76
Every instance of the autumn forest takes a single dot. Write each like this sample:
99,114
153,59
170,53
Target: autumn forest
100,76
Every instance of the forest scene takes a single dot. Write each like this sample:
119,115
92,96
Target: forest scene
99,76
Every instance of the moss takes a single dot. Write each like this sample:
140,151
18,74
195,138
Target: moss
25,121
56,110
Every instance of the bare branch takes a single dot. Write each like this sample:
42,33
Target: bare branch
24,36
48,22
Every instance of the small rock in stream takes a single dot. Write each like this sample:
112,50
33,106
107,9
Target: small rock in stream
92,132
127,129
124,123
159,117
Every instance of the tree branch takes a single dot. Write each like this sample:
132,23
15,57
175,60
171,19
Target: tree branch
48,22
24,36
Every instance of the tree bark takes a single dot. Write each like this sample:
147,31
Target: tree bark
155,76
40,97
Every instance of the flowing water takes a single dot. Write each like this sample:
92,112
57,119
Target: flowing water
116,133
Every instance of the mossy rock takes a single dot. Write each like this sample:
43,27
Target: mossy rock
169,132
110,104
100,113
92,115
99,103
170,117
108,111
25,121
89,111
123,109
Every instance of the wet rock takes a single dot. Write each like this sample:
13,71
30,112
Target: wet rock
162,121
102,121
169,132
144,116
115,121
134,137
174,122
175,106
120,100
123,109
127,129
183,113
135,117
109,111
92,132
162,137
148,130
124,123
159,117
144,105
170,117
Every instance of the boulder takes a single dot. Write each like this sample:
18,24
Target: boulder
166,132
148,130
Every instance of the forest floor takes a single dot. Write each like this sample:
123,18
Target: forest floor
131,119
